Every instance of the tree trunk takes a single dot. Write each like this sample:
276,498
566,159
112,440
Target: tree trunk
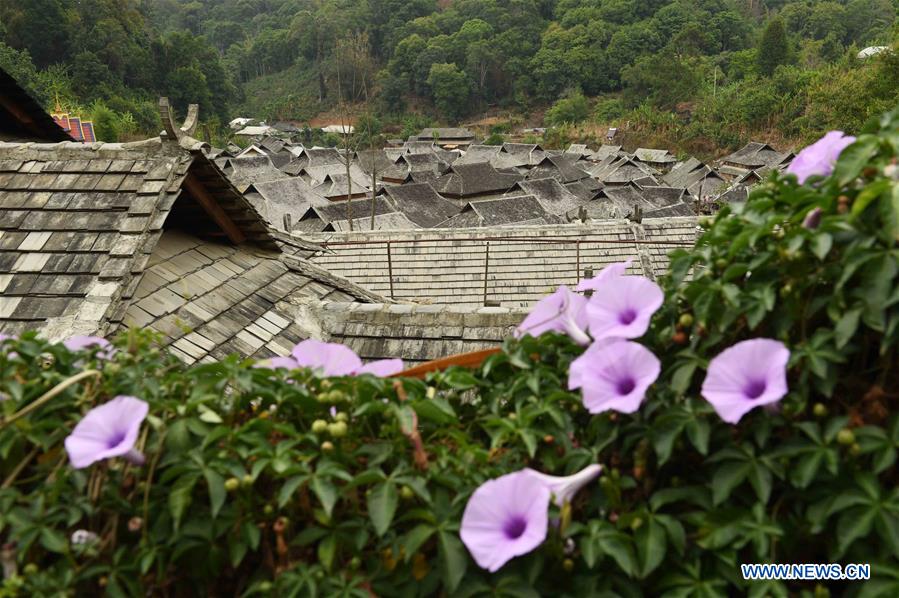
349,184
374,186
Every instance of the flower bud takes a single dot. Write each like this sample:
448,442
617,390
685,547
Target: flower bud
135,524
337,429
812,219
846,437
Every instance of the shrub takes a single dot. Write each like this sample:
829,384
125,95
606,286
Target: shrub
570,110
251,488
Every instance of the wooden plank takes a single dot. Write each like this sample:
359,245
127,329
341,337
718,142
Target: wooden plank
468,360
214,210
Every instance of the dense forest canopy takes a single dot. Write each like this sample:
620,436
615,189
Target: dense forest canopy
720,68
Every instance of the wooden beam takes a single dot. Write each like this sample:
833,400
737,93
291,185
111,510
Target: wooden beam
16,111
213,209
473,359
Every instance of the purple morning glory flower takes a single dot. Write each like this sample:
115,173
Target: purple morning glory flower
749,374
505,518
334,359
108,430
624,307
563,311
564,488
382,367
611,271
613,375
329,359
819,158
275,363
81,343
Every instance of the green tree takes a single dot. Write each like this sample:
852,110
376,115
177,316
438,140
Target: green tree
570,110
773,48
450,89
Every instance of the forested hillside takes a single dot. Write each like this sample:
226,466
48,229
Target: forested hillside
687,71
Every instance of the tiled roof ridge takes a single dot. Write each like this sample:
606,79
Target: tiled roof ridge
73,150
318,273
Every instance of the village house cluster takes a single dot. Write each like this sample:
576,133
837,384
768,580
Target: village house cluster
249,251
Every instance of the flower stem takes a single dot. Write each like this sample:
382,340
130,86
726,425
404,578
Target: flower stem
48,396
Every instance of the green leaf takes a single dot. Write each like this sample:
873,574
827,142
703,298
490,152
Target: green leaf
680,380
675,531
726,478
869,194
53,541
177,438
619,547
236,551
180,497
853,524
382,502
698,431
327,548
651,544
821,245
846,327
216,485
854,158
530,441
760,479
453,560
289,487
326,493
418,536
805,469
406,416
437,410
208,415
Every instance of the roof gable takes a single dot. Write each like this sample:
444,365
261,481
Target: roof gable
22,118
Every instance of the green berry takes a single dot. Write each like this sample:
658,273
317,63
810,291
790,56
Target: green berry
845,437
268,509
568,565
336,396
327,446
355,563
232,484
323,397
319,426
721,263
30,569
337,429
407,493
247,480
636,523
819,410
855,450
265,586
342,417
686,320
